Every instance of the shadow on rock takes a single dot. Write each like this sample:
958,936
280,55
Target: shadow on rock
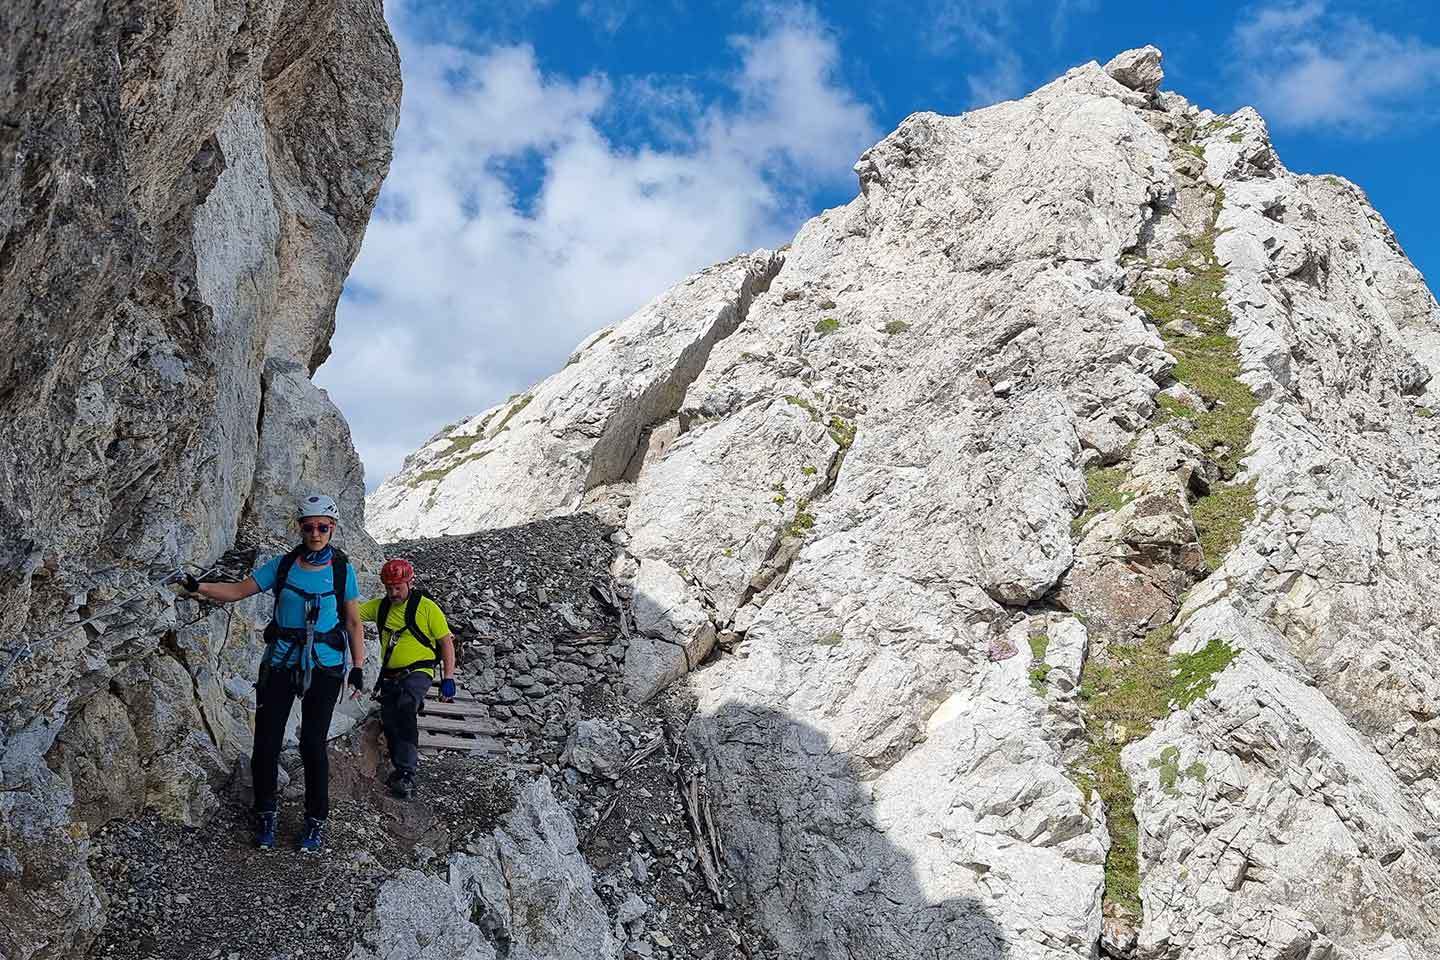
816,871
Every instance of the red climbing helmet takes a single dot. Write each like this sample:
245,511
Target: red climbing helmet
396,571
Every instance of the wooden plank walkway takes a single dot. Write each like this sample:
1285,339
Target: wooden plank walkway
462,725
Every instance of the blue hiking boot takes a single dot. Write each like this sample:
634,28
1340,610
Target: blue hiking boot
314,836
265,830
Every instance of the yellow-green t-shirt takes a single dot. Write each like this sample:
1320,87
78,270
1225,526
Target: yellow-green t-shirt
398,647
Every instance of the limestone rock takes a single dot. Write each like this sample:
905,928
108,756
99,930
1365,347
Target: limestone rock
529,887
594,748
865,480
524,889
586,422
421,917
183,191
1138,69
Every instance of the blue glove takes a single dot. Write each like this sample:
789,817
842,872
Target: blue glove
447,689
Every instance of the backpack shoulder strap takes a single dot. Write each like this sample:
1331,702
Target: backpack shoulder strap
411,624
339,566
282,573
382,617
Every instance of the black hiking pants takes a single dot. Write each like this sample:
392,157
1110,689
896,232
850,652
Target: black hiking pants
272,711
400,700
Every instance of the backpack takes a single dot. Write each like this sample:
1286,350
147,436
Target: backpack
339,569
382,617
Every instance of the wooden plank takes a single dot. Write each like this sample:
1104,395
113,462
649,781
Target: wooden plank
457,709
433,696
451,742
466,725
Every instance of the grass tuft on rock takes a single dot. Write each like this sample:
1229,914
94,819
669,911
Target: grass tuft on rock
1124,696
1039,669
826,326
1195,672
842,431
1220,518
1103,494
803,404
510,414
802,523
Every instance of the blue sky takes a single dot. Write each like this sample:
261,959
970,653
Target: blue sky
560,162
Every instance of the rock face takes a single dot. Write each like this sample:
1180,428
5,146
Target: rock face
182,194
524,889
1093,352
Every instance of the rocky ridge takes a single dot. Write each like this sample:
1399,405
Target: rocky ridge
1060,508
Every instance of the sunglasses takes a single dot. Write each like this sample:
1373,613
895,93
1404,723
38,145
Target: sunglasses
316,527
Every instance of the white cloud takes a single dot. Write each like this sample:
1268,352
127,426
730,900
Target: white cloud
1307,68
985,28
512,224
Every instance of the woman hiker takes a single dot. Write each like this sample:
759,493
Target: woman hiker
305,653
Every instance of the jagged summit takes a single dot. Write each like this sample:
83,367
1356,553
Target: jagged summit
1068,492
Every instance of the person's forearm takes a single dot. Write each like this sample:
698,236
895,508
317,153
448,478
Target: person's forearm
357,641
228,592
447,654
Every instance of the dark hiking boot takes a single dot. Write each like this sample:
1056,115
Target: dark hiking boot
265,830
313,837
404,786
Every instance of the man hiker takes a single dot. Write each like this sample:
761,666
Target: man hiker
306,649
414,639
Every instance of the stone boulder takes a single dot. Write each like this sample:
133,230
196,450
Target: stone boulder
1138,69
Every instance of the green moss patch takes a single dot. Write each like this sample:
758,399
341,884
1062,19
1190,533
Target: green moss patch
805,405
510,414
826,326
1103,494
896,326
459,445
1039,669
1124,695
1195,672
842,431
1220,519
1170,772
803,521
440,473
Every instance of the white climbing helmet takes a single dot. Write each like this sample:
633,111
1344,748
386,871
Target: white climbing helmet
317,505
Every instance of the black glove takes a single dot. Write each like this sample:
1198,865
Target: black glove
357,678
191,584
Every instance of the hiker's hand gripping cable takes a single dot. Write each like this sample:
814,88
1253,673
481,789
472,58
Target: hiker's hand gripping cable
220,591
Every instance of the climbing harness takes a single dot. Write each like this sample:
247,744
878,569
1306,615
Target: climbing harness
26,650
304,664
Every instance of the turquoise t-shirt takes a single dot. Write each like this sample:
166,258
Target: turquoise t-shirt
290,608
